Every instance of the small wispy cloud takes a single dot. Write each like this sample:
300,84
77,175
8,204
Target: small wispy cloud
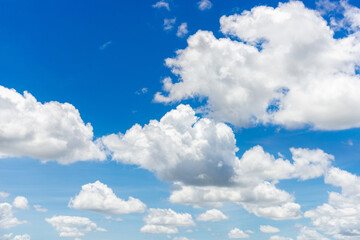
204,5
38,208
182,30
105,45
162,4
169,23
142,91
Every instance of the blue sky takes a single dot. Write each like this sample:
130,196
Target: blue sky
179,120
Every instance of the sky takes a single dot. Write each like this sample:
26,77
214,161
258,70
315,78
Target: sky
179,120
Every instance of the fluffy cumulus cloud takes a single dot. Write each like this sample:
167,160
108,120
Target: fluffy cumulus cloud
7,219
21,202
237,233
100,198
11,236
279,66
71,226
49,131
340,217
269,229
165,221
199,156
212,215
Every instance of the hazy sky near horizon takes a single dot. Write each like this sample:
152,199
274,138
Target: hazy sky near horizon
181,120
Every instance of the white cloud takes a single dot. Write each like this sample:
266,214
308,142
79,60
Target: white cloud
340,217
212,215
4,194
310,234
39,208
237,233
179,147
199,156
161,4
269,229
17,237
21,203
287,69
182,30
169,23
7,220
105,45
276,237
165,221
99,197
60,133
70,226
181,238
204,5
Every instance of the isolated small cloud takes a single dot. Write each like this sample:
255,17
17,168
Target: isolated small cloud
213,215
100,198
204,5
237,233
4,194
38,208
105,45
21,203
182,30
71,226
161,4
169,23
269,229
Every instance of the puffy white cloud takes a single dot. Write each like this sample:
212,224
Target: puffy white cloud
307,233
7,220
340,217
161,4
165,221
212,215
17,237
287,69
269,229
179,147
21,203
49,131
100,198
169,23
237,233
276,237
71,226
182,30
4,194
199,156
204,5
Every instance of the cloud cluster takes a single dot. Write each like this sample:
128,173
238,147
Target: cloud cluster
340,217
199,156
49,131
100,198
71,226
281,66
165,221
